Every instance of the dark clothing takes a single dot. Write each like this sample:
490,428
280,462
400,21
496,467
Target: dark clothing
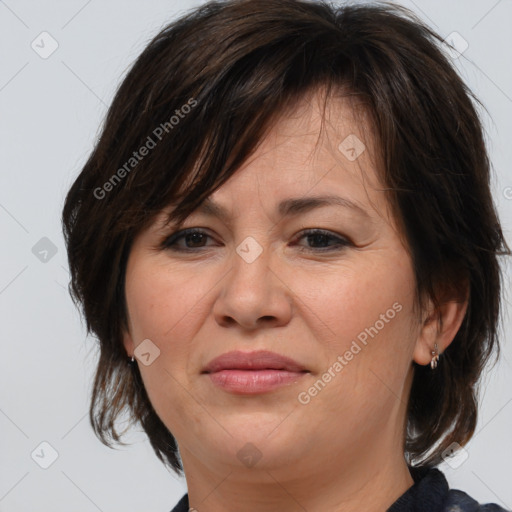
430,493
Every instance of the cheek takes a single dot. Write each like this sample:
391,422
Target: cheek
162,300
370,300
363,315
162,303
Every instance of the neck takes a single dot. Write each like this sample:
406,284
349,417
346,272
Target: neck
370,483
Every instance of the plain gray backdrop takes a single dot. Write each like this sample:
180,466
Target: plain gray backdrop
52,106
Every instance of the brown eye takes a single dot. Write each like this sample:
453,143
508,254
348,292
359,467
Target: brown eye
193,239
323,241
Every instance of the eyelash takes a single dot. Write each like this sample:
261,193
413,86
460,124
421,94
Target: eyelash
170,242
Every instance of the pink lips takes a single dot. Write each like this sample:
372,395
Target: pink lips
253,372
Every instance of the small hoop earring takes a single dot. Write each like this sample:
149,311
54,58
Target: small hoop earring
435,357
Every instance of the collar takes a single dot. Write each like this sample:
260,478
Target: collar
428,493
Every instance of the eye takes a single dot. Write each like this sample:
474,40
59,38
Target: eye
322,238
195,238
192,237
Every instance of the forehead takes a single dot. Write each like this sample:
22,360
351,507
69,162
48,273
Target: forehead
317,147
315,136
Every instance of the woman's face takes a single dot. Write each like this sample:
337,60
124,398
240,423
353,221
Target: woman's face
338,303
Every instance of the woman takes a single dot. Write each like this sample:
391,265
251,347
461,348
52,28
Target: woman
285,243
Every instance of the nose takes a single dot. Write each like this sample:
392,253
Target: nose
254,294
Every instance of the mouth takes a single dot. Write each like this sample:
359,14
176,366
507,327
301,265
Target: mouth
253,372
253,361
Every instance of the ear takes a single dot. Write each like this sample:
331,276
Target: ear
440,326
128,343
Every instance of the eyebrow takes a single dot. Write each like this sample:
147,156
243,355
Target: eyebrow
287,207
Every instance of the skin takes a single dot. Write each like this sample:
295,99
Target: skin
342,451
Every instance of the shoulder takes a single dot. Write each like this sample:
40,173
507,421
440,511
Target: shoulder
459,501
182,505
431,492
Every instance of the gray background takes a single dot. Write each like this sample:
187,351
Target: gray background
51,111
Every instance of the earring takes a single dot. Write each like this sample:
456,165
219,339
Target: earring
435,357
130,362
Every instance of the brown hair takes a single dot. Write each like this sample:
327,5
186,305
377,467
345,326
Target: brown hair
238,65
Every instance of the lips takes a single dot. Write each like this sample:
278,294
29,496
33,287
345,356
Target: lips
257,360
253,373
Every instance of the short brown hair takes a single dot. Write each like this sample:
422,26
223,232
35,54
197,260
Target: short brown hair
238,65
